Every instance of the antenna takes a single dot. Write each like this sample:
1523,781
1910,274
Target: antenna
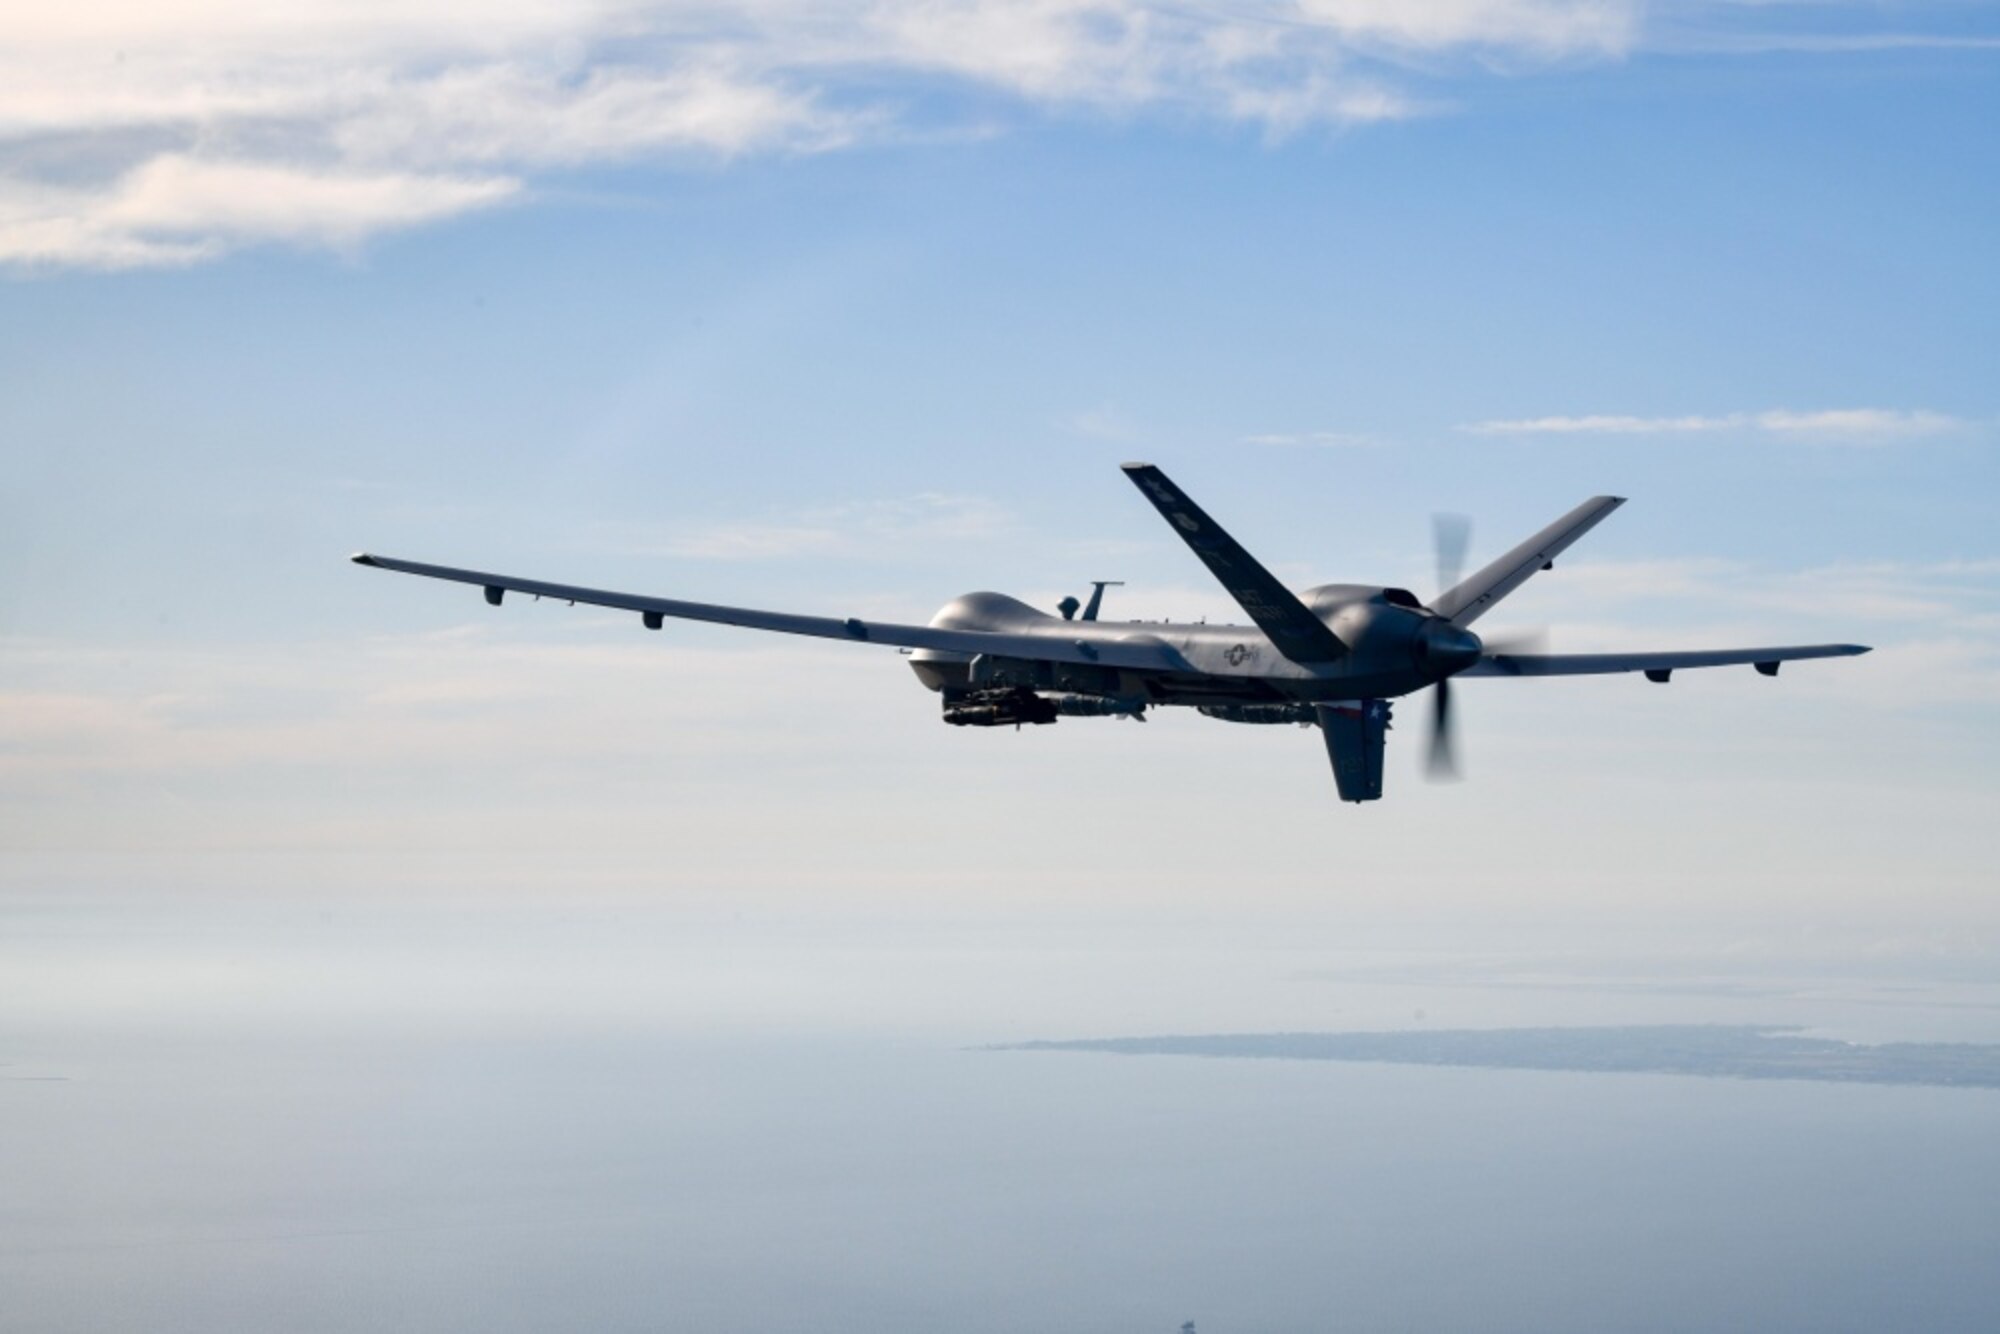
1097,587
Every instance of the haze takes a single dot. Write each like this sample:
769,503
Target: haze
371,956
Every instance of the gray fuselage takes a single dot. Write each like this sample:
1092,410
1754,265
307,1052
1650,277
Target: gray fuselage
1395,646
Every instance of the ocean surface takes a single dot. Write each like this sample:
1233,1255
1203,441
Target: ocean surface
327,1142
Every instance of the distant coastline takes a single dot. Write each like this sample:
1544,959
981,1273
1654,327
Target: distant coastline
1710,1051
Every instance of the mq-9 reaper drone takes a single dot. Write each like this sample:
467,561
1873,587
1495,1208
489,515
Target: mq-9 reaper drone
1331,656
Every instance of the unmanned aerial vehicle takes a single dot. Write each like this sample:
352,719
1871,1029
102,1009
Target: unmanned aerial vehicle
1331,657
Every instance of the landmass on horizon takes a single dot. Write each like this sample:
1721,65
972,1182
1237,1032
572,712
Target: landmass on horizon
1726,1051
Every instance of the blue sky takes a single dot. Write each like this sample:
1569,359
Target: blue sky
851,310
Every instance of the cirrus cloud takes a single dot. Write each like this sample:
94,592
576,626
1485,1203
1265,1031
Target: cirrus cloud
135,134
1866,426
174,209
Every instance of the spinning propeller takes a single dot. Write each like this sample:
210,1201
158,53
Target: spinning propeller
1451,647
1450,533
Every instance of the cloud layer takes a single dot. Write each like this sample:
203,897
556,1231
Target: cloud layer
135,135
1850,425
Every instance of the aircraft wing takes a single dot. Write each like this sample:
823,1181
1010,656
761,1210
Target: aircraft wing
1139,654
1287,622
1475,597
1766,660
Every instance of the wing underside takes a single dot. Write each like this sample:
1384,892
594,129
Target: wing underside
1277,611
1598,664
1137,652
1468,601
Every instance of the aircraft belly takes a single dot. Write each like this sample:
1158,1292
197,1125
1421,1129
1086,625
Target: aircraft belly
1231,663
1263,689
1246,680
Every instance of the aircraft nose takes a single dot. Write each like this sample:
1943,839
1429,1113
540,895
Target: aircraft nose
1447,649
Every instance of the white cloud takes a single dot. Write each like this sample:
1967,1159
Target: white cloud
1047,49
1601,424
1834,425
1933,624
135,134
443,105
507,113
1861,425
449,700
1775,43
175,209
1878,593
1286,110
1542,27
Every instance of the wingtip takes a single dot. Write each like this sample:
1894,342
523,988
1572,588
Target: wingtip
362,558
